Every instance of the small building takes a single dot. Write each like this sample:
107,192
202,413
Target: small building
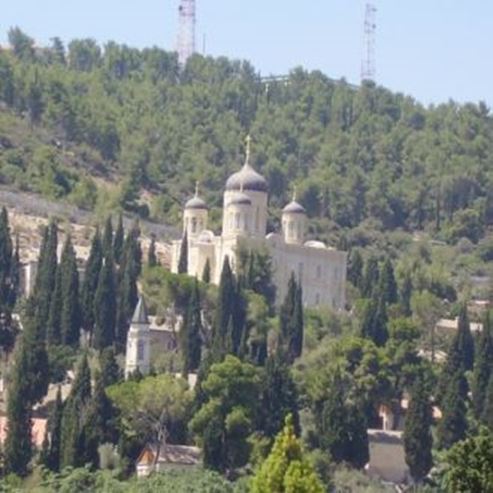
387,456
452,324
138,354
37,431
171,457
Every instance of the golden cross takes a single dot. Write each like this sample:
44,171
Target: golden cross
248,141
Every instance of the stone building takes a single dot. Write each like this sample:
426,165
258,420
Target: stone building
321,270
138,354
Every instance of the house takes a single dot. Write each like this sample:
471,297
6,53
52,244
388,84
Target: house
451,325
37,431
170,457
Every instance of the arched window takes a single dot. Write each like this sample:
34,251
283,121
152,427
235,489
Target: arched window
319,271
231,220
245,221
257,219
140,350
237,220
291,228
194,224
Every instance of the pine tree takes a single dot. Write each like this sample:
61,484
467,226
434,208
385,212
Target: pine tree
388,284
91,277
55,426
110,371
206,274
105,307
370,277
70,319
453,425
18,446
355,268
107,241
183,259
286,470
483,366
74,413
191,333
54,331
151,254
119,240
418,440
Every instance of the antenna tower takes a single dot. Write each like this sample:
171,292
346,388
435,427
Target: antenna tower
185,45
368,65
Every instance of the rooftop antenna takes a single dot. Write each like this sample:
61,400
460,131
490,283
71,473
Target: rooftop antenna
368,65
185,45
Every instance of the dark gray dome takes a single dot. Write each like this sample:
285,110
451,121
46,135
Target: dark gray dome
247,179
294,208
240,199
196,203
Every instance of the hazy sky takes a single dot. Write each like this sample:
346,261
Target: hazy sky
431,49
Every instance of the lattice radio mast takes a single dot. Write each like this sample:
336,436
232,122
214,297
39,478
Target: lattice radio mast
185,45
368,65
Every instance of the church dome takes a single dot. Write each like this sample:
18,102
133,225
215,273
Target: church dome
196,203
294,208
247,178
240,199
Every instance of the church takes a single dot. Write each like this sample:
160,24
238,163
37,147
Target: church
321,270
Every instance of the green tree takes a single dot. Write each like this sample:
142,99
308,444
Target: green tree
72,450
418,440
110,371
70,317
119,240
22,45
453,425
286,469
18,446
183,259
206,274
107,241
55,429
483,365
191,333
370,277
105,306
469,464
54,330
228,413
487,413
355,268
387,283
90,283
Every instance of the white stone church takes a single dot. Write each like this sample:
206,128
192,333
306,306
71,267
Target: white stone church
321,270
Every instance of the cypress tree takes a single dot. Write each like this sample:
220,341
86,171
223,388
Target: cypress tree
453,425
355,268
418,440
107,241
5,262
206,274
183,259
487,412
70,319
129,272
90,283
151,254
388,284
105,307
15,272
224,310
18,445
118,240
110,371
483,365
74,413
405,295
370,277
55,426
291,321
279,397
191,338
238,321
46,276
54,332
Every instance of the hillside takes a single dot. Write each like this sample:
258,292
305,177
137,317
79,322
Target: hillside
78,119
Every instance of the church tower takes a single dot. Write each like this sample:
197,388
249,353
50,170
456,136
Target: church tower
195,215
138,354
293,222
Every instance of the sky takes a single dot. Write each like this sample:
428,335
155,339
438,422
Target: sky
433,50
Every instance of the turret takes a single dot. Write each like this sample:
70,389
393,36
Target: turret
138,355
293,222
195,215
238,214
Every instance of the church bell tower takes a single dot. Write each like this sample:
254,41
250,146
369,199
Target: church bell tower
138,355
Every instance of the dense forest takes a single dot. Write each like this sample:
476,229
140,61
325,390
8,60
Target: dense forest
284,395
358,155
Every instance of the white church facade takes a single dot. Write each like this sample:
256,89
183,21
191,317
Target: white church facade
321,270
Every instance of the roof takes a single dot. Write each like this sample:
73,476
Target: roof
247,179
196,203
294,208
240,199
170,454
140,313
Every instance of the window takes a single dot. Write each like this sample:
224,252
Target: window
245,222
319,271
140,350
257,219
291,228
194,224
231,220
237,220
